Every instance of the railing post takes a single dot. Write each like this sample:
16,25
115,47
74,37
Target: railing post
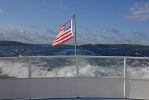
77,76
29,70
29,74
125,77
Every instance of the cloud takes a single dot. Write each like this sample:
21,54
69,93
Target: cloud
140,34
119,40
139,11
111,35
23,35
113,30
15,30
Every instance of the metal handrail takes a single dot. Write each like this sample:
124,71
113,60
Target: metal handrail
82,56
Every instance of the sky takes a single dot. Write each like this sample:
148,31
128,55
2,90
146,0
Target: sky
98,21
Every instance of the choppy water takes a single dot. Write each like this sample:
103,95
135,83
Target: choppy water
47,50
66,67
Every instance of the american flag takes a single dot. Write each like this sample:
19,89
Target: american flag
65,33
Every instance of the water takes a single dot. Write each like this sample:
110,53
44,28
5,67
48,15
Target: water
98,50
66,67
61,67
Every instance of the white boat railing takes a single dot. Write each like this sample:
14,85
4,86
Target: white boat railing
62,76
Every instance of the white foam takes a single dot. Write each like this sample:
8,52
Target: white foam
55,72
20,69
14,69
141,73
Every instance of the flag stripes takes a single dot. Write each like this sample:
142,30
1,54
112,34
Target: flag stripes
65,34
62,41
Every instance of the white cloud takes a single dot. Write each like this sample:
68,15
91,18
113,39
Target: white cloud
23,35
139,12
13,29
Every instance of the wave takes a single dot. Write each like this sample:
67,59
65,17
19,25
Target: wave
17,69
20,69
72,52
141,73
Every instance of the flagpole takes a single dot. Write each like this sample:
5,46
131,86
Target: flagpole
74,17
76,60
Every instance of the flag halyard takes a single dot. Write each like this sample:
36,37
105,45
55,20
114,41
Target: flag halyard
65,34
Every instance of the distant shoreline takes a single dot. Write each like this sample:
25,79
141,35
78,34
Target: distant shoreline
14,49
127,46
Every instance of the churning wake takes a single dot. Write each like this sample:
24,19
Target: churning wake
40,69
